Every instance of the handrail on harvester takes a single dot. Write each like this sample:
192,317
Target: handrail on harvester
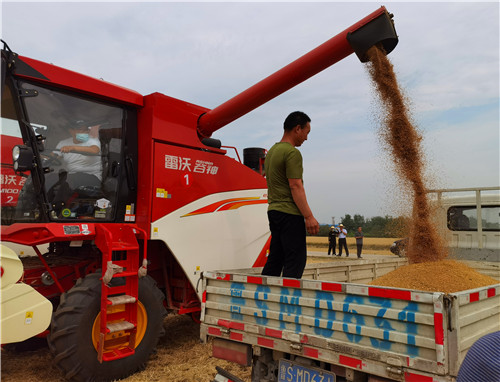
375,28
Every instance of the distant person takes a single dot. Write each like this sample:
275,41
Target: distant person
332,240
288,211
359,241
343,240
482,361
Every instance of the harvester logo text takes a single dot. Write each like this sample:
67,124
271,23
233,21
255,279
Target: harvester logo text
6,180
174,162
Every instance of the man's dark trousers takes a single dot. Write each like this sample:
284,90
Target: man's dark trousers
359,247
288,249
332,246
343,244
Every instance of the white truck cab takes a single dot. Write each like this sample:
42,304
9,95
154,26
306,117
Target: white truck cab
469,218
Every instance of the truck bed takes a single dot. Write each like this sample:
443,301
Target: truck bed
331,315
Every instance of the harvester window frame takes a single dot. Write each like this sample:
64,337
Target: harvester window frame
14,109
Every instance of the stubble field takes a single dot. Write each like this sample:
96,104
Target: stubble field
372,245
180,357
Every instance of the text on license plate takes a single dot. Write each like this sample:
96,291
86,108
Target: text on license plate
292,372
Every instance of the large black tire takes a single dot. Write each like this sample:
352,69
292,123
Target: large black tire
70,339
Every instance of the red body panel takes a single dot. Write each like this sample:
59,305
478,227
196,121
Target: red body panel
185,175
167,131
40,233
11,184
67,274
54,75
171,120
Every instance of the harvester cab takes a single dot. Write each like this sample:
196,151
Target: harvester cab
70,160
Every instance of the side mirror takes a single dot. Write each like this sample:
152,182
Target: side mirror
40,137
22,157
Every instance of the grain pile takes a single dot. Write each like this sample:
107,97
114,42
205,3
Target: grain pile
428,269
447,276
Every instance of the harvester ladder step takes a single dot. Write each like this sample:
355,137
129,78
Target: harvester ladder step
121,256
119,326
121,246
122,299
125,274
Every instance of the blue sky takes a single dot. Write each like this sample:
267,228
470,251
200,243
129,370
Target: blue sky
447,63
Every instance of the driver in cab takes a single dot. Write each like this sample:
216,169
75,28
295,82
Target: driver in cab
80,153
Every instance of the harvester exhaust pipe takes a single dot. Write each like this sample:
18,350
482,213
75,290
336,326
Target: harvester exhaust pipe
375,28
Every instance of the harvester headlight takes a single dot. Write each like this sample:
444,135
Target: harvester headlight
22,157
15,153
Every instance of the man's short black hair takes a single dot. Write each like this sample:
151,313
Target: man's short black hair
294,119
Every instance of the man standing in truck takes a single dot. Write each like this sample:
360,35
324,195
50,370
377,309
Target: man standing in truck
288,212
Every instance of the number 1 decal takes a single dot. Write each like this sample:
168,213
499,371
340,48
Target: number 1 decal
187,179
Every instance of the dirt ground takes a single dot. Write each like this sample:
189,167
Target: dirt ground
180,357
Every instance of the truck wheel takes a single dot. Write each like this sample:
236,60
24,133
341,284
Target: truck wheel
74,329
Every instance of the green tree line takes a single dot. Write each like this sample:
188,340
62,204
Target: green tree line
377,226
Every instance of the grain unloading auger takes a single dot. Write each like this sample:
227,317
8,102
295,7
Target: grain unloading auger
167,199
376,28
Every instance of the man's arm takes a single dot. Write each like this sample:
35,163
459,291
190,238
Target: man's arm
299,197
81,149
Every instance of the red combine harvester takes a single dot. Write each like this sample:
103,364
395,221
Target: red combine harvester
127,229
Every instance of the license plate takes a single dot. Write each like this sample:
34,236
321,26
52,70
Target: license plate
292,372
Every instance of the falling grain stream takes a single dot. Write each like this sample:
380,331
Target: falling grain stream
428,269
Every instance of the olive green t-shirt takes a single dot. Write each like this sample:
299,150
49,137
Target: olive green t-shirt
283,161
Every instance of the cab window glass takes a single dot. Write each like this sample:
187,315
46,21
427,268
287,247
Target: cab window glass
465,218
80,152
